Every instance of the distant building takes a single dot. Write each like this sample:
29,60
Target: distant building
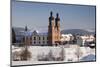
19,37
27,40
24,37
39,38
85,40
66,38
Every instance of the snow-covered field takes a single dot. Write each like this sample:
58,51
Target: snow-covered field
72,53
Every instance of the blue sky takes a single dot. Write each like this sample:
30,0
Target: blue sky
35,15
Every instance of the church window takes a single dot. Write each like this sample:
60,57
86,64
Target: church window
34,38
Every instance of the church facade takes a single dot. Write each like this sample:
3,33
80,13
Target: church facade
54,29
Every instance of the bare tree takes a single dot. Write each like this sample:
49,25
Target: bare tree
26,54
62,54
78,53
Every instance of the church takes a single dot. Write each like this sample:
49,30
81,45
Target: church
52,37
37,38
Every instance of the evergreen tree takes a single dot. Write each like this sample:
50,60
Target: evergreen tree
13,36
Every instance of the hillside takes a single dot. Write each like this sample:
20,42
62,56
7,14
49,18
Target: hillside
76,31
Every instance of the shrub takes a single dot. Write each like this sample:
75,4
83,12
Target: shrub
25,54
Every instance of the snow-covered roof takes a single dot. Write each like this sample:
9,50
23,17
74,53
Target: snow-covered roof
66,35
25,33
28,33
36,32
42,33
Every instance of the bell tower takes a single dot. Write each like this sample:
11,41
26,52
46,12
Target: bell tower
51,29
57,28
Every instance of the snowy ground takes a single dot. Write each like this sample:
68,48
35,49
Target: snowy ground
72,53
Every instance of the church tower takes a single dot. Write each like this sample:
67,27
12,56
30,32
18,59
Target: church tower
54,29
57,28
51,27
